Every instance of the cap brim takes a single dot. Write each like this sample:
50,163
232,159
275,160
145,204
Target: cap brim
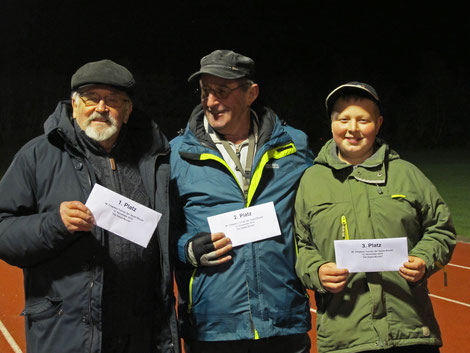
128,90
228,75
330,99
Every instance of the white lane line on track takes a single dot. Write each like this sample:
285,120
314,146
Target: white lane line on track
449,300
460,266
9,338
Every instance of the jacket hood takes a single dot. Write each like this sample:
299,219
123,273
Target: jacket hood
58,126
143,132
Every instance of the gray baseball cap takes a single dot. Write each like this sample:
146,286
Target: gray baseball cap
360,88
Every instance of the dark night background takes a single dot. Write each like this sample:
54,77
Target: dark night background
415,54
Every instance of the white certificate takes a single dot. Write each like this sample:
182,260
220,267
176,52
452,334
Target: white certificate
247,224
371,255
122,216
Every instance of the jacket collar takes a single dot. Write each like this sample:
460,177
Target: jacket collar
145,135
373,170
270,128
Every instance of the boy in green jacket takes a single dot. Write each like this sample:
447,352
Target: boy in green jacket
368,192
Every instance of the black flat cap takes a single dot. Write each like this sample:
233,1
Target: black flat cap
225,64
363,89
104,72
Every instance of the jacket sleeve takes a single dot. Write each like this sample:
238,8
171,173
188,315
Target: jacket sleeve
439,237
27,236
309,258
178,229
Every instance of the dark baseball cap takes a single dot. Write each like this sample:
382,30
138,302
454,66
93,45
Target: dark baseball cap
353,87
225,64
103,72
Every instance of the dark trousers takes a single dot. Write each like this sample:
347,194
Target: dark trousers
421,348
137,343
279,344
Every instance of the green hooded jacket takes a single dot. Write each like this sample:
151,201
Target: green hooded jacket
384,197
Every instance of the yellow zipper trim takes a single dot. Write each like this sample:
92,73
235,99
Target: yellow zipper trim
397,196
275,153
344,228
190,305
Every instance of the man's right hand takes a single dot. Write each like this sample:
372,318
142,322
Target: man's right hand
332,278
76,216
205,249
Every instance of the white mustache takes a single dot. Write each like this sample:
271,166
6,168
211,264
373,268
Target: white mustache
97,115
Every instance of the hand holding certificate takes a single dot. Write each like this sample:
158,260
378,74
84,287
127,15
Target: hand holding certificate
371,255
122,216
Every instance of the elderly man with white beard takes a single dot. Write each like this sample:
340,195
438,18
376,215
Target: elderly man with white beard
88,289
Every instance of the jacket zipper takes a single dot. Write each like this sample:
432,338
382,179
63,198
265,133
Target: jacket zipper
190,294
344,228
252,323
90,316
443,268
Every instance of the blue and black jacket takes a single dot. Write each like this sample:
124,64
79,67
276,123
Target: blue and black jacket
257,293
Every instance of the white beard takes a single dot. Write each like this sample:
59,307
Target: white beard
102,133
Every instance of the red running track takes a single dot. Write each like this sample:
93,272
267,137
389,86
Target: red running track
451,305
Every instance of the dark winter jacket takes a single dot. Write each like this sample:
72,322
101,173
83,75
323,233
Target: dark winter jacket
257,294
63,272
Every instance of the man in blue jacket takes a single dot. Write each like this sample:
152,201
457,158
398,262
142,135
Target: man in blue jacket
234,155
87,289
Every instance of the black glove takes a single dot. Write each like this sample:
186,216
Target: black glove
200,250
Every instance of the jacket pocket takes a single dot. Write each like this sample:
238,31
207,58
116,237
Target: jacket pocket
43,309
